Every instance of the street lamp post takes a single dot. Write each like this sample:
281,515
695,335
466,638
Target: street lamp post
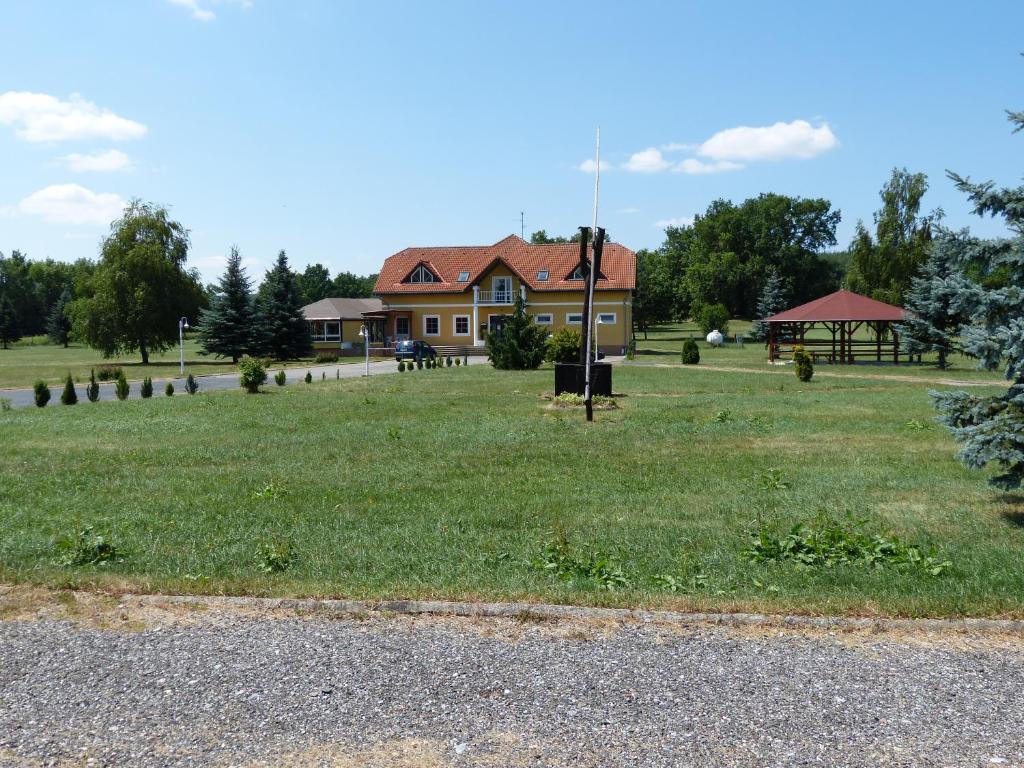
182,325
597,322
365,333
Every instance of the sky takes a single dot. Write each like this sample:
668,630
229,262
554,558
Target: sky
344,132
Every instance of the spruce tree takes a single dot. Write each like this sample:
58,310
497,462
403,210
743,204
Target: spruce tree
285,332
69,396
229,327
771,302
10,330
92,391
520,345
991,427
934,303
58,326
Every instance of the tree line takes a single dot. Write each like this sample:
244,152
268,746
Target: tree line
132,297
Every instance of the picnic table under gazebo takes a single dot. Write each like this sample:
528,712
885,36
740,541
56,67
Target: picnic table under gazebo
842,314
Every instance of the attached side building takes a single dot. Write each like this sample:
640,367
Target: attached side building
334,323
455,295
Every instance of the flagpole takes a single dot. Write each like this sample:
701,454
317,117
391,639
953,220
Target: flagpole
590,282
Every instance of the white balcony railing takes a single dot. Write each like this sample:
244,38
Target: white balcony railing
496,297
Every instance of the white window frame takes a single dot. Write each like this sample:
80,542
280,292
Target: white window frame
577,274
323,335
421,275
600,315
544,318
569,318
542,275
463,277
455,325
431,317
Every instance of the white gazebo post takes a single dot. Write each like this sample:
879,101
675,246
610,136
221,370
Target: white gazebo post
476,315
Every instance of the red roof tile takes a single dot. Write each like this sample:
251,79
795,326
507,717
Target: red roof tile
841,305
618,266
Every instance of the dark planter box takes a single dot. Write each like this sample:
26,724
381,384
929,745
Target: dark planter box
570,377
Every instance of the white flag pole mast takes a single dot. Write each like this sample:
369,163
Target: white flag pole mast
592,277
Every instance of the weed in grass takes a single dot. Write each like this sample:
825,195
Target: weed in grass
723,416
88,548
917,424
773,480
561,559
5,403
393,433
827,543
270,491
275,556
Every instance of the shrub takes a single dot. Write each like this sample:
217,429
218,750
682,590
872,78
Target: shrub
519,345
41,393
169,389
280,378
191,385
804,366
419,364
121,387
88,548
109,372
5,403
308,378
253,374
448,361
563,346
401,366
326,357
631,349
713,317
458,361
92,391
69,396
465,359
691,352
147,388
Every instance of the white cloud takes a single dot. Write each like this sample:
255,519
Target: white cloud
678,221
781,141
588,166
199,10
41,117
111,160
649,160
72,204
693,166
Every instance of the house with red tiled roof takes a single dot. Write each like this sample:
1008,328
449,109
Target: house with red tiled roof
452,296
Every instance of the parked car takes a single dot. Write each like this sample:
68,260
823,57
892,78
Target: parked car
412,349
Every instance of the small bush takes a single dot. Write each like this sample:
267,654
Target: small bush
691,352
563,346
121,387
458,361
448,361
69,396
87,548
109,372
253,374
41,393
419,364
92,391
5,403
169,389
147,388
280,378
191,385
713,317
275,556
401,366
631,349
803,365
326,357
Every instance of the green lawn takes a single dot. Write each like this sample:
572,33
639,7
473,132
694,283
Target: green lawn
24,364
449,484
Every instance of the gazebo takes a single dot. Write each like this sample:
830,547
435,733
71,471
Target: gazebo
842,314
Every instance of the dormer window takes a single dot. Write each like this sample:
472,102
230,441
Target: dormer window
542,275
578,274
422,275
463,277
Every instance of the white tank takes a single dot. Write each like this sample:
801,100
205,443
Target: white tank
715,339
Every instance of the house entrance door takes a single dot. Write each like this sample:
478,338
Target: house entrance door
496,323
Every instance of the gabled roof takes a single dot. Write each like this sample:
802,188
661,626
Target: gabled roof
340,309
525,260
841,305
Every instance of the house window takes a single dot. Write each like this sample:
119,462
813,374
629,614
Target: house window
606,318
578,274
544,319
431,325
542,275
502,290
463,277
402,327
325,330
422,275
574,318
461,325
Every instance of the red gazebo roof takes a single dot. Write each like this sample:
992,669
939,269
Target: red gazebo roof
839,306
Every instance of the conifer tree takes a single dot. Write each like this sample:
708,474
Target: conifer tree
58,325
229,327
991,427
285,332
520,345
92,391
69,396
771,302
934,305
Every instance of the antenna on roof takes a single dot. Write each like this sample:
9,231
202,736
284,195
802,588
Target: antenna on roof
522,226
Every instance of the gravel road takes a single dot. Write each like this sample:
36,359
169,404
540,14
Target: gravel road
284,690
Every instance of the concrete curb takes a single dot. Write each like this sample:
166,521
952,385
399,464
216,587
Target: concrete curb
331,607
